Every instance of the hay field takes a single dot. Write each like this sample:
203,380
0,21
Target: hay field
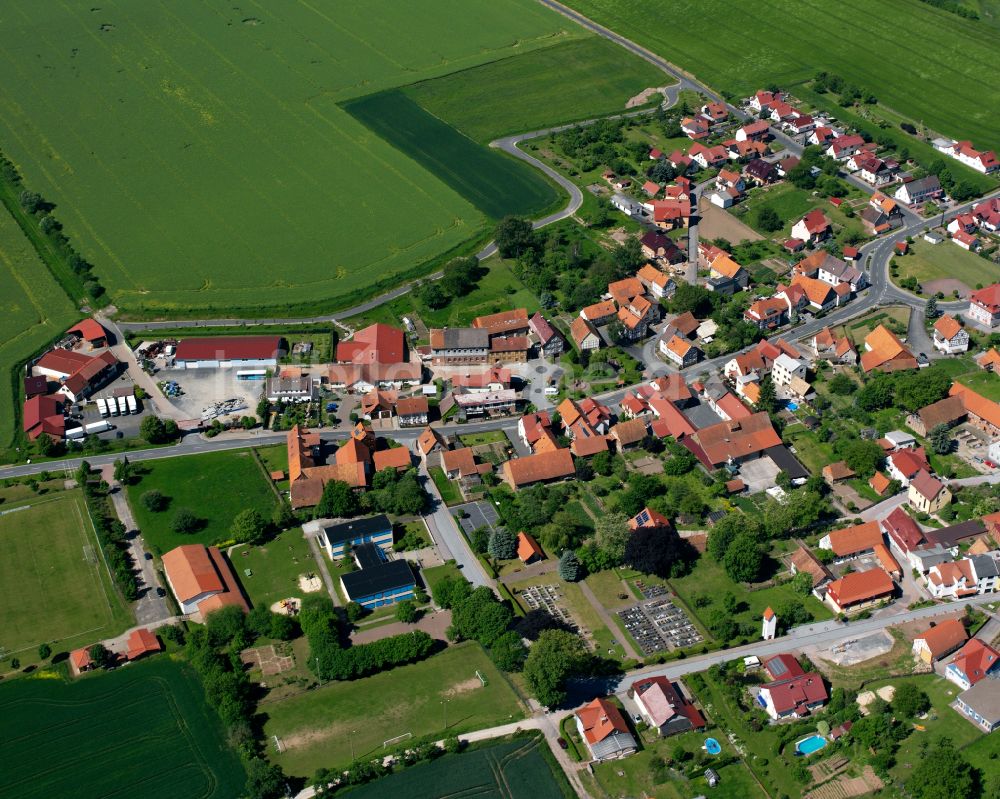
141,731
54,586
199,158
921,61
573,80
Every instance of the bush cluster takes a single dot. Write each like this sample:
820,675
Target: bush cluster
331,661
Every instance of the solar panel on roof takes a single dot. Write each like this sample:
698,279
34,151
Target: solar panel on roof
777,667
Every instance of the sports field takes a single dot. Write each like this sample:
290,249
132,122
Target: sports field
317,729
209,165
946,261
141,731
54,586
215,486
740,47
570,81
511,770
33,311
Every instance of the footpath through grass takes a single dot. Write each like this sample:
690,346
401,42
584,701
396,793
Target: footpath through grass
215,486
146,728
54,586
321,728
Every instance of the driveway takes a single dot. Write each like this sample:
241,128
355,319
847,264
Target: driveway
446,535
148,608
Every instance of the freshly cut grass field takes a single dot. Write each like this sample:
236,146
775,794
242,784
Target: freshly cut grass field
209,165
495,183
317,728
145,730
275,567
50,591
510,770
927,262
215,486
33,311
748,45
570,81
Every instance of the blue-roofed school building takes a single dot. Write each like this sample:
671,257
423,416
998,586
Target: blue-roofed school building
380,581
337,537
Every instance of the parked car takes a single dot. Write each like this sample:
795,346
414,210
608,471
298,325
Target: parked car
562,743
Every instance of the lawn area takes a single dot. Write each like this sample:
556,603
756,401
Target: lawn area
514,95
489,437
761,745
35,312
707,579
735,782
435,574
927,261
215,486
791,204
517,769
750,51
275,567
497,290
857,329
318,728
447,488
813,453
275,459
156,731
54,585
942,722
985,383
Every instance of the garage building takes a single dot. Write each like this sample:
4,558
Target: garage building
230,352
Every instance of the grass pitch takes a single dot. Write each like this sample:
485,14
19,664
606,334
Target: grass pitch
515,769
142,730
54,586
215,486
747,46
317,729
34,308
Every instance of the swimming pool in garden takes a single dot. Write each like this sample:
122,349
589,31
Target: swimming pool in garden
811,744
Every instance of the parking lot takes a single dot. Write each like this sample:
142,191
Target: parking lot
657,624
204,387
126,426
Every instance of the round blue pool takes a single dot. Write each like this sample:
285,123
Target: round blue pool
811,744
712,746
792,406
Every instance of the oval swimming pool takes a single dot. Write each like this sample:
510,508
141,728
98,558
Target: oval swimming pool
811,744
712,746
